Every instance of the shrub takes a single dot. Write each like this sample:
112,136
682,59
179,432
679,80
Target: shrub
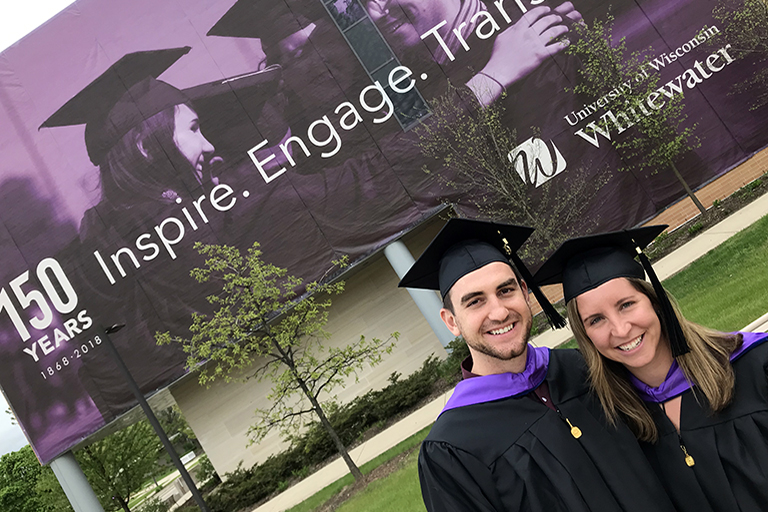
246,487
750,187
695,228
659,246
206,474
154,505
753,185
450,368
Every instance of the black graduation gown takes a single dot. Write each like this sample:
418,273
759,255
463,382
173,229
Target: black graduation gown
730,449
517,454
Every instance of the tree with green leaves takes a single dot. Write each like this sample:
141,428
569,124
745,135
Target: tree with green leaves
119,465
653,138
19,472
744,24
178,430
259,320
473,150
181,436
116,467
50,493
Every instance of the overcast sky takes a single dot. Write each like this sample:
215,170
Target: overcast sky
17,19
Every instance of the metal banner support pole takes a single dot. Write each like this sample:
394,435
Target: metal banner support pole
72,480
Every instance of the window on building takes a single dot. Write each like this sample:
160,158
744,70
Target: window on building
376,56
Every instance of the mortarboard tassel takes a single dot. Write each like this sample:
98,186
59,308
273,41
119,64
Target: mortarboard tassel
677,341
555,319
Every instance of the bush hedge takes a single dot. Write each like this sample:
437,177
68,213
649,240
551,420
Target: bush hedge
246,487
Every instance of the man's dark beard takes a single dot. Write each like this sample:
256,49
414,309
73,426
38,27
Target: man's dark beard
491,352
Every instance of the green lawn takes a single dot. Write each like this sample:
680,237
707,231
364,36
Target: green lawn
397,493
321,497
725,289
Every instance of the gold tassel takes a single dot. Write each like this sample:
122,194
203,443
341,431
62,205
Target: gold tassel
576,431
688,459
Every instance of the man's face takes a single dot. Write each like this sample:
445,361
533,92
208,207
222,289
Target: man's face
404,21
491,312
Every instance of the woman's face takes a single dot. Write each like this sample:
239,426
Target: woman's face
624,327
189,139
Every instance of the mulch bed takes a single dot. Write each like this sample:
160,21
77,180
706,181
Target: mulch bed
722,209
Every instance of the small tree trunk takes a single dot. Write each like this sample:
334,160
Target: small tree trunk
287,359
334,436
687,188
122,503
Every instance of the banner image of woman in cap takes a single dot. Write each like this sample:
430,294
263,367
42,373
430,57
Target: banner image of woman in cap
145,137
158,183
696,398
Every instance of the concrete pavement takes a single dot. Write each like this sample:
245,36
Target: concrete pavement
666,267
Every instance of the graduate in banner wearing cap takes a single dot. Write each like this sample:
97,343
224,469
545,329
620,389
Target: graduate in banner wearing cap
156,163
697,398
521,431
347,181
145,138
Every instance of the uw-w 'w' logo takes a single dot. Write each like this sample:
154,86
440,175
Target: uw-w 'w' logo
536,162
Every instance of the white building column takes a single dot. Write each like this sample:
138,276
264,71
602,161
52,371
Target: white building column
427,301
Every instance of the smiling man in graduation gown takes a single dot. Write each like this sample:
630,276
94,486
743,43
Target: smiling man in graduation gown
521,431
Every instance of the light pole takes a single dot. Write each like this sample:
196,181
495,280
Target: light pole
152,419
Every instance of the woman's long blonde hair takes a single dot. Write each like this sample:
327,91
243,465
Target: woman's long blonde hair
707,365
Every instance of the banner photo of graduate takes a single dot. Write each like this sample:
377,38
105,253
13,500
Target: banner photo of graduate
132,130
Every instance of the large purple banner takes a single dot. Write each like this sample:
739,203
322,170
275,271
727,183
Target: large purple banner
131,130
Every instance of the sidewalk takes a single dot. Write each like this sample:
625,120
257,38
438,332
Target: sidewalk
405,428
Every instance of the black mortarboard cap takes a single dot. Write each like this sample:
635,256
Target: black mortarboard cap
465,245
120,99
268,20
585,263
227,108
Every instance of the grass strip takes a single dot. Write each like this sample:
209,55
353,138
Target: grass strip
399,492
329,491
727,288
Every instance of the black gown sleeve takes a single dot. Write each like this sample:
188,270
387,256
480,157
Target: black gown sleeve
454,481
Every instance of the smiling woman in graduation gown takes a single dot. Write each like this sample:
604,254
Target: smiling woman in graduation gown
697,398
148,161
729,448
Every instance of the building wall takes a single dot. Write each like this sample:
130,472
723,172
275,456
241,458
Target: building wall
371,305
